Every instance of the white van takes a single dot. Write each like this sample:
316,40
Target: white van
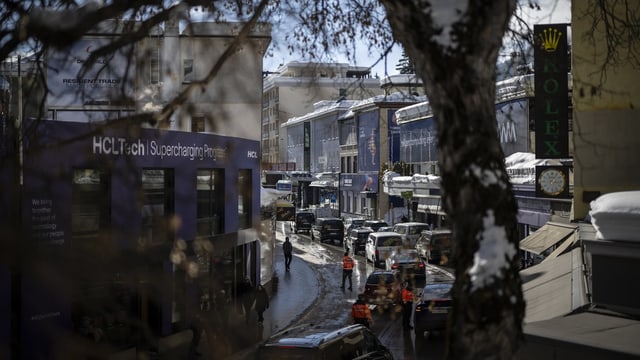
410,231
380,245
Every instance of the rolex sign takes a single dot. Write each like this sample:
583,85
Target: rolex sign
551,91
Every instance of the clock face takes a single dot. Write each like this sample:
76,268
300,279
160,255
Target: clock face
552,181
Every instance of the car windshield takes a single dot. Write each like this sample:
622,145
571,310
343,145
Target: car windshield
413,230
407,257
440,291
308,217
377,279
389,241
332,225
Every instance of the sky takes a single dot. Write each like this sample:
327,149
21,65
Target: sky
552,11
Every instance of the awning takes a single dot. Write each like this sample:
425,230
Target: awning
546,237
431,209
555,287
324,184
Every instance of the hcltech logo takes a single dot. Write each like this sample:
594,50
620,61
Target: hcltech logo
549,39
252,154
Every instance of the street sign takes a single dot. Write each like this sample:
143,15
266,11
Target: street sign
406,194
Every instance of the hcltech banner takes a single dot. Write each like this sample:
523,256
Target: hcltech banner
551,90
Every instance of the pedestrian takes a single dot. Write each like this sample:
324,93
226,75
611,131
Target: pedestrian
360,312
247,297
347,269
407,306
199,324
262,303
288,253
222,307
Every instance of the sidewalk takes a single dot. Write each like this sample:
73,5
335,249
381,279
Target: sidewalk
295,293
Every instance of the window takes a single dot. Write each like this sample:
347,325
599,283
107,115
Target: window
157,207
187,75
90,206
197,124
210,202
244,198
102,300
155,64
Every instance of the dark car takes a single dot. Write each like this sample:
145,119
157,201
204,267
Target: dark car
408,263
328,230
304,221
432,310
383,288
357,239
375,224
435,246
309,342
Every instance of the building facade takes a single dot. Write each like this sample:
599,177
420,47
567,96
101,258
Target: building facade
294,88
134,222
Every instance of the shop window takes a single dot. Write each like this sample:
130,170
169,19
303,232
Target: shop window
157,207
244,198
210,202
102,305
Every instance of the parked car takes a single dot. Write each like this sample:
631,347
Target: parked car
309,342
304,221
435,246
432,310
408,263
385,228
357,239
383,288
351,223
375,224
410,231
380,245
328,229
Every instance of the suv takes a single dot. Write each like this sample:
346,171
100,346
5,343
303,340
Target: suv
410,231
328,230
304,221
380,245
375,224
435,246
309,342
351,223
357,238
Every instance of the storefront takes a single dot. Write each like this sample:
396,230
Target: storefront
128,230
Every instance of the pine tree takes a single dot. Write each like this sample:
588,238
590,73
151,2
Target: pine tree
405,66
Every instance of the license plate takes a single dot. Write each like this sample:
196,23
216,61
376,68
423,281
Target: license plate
439,311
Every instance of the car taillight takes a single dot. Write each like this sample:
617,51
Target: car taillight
421,265
377,253
394,266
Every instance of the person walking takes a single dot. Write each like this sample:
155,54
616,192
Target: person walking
360,312
347,269
262,303
407,306
287,247
247,297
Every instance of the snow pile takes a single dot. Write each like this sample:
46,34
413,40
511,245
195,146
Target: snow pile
616,216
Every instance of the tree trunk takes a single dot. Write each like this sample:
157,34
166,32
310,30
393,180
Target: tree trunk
488,307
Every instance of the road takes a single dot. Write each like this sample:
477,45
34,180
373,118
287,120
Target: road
333,305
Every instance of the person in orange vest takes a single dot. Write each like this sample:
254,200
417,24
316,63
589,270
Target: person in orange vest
407,305
347,269
361,313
